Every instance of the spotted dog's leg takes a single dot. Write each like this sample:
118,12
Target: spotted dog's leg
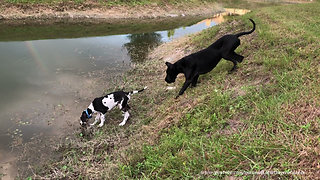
124,107
102,118
120,107
96,119
125,118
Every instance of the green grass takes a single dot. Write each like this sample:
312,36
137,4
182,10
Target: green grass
265,116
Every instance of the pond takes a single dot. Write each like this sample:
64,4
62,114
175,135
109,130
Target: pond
50,72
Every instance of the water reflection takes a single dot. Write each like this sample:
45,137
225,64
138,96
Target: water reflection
219,18
171,33
232,11
140,45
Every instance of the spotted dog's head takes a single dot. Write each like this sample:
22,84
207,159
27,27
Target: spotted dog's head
171,73
86,114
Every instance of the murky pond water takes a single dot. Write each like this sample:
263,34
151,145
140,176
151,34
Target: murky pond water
49,73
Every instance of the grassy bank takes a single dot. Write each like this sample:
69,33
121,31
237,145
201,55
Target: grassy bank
16,12
94,11
87,4
265,116
110,2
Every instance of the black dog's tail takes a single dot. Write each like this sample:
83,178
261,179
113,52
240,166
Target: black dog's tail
137,91
248,32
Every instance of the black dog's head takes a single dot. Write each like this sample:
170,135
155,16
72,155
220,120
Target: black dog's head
171,73
86,114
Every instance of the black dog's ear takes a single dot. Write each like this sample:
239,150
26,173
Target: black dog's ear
168,64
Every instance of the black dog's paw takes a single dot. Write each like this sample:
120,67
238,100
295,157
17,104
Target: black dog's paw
232,70
176,97
240,59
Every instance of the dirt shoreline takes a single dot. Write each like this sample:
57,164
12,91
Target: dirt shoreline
97,13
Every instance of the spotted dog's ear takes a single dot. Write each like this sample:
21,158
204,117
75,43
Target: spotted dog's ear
83,119
83,116
89,111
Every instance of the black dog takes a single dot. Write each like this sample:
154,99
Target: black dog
205,60
103,104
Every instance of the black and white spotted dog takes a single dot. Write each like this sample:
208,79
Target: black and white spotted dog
102,105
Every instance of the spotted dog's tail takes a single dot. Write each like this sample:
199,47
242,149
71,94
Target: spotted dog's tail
137,91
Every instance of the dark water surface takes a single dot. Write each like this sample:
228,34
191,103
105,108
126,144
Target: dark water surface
45,67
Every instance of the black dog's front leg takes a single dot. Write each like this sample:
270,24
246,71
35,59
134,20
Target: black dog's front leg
191,77
195,80
184,87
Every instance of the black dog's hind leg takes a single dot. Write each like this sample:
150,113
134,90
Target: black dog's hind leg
233,57
239,58
194,81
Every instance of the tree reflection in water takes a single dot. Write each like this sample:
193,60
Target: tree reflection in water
141,44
